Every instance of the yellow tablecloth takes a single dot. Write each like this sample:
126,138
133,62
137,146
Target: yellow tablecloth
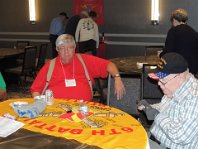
114,129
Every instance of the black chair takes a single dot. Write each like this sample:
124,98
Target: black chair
22,44
150,90
98,89
129,102
28,67
41,56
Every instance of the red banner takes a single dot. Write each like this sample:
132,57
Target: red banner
88,5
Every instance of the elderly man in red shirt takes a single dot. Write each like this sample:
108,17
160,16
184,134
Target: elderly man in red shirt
69,79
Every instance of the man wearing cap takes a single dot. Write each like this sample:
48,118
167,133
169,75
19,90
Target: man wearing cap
183,39
175,123
69,79
57,27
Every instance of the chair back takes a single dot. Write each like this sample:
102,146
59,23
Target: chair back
150,90
129,101
29,60
22,44
42,56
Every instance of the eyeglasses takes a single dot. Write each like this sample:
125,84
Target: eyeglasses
164,83
68,48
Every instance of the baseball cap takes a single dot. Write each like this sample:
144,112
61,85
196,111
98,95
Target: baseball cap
170,63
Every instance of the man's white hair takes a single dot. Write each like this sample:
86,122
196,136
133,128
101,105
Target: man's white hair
65,39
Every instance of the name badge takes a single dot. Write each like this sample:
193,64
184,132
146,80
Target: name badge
70,82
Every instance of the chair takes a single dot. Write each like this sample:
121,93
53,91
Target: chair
28,67
41,56
150,90
129,102
22,44
99,85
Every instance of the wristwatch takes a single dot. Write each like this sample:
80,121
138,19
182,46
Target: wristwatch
117,75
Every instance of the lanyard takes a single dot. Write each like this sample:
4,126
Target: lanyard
64,70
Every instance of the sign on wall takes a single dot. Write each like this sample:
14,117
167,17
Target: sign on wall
88,5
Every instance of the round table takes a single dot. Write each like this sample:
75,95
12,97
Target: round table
8,57
129,64
103,127
9,52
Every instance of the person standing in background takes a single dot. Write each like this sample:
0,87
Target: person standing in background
57,27
182,39
73,22
87,34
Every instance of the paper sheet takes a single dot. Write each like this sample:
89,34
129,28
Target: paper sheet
8,126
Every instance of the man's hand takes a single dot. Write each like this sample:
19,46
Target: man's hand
118,85
150,112
119,88
142,104
34,94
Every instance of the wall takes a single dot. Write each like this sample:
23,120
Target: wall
127,25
